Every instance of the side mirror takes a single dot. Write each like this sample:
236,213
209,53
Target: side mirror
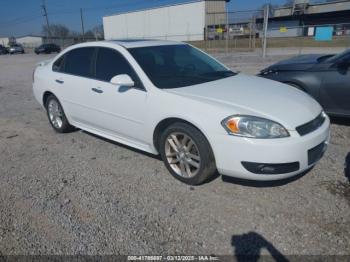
122,80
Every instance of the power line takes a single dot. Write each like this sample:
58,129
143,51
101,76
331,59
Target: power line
45,13
19,20
25,19
99,8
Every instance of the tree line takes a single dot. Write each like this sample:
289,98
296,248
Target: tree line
62,31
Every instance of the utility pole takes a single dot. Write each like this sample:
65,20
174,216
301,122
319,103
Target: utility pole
43,6
227,31
82,22
266,22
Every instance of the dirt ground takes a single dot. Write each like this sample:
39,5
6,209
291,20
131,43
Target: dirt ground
79,194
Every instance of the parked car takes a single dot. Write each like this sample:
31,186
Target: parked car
47,49
16,48
3,50
325,77
172,99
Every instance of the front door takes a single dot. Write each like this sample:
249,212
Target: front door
122,110
335,90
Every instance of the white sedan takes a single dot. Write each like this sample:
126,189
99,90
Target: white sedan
172,99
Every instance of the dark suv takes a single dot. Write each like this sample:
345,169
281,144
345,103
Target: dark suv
47,49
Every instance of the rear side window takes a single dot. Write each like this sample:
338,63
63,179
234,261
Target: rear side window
79,61
58,65
110,63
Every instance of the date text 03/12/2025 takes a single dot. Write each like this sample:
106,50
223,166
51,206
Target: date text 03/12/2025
172,258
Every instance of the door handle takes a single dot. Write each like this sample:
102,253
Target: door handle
59,81
97,90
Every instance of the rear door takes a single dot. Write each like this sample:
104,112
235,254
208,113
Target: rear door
335,90
73,86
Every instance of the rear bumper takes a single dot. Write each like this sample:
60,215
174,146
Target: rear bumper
270,159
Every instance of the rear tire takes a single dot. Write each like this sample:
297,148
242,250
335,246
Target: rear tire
56,115
187,154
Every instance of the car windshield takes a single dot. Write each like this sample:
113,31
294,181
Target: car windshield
173,66
336,57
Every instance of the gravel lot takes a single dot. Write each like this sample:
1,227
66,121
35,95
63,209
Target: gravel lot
80,194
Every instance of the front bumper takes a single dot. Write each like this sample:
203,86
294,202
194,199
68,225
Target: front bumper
231,151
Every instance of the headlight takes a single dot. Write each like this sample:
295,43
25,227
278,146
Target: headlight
254,127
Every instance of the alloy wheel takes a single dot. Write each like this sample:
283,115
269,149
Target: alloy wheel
55,113
182,154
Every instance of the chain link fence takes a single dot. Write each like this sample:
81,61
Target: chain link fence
306,39
230,31
63,42
254,32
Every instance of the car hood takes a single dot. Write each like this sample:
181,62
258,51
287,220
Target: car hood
256,96
298,63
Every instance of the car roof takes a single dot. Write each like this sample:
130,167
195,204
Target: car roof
129,43
134,43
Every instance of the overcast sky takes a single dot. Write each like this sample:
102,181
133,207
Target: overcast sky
25,17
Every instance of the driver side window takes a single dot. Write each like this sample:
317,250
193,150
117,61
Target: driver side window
110,63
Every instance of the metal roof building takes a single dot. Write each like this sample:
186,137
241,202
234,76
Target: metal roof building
298,18
180,22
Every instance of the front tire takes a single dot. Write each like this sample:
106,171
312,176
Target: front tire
56,115
187,154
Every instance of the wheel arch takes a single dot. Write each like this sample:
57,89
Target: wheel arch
46,96
308,82
163,124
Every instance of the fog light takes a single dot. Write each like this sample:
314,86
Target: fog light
271,169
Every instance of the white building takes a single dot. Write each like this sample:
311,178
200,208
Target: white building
30,41
4,41
180,22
